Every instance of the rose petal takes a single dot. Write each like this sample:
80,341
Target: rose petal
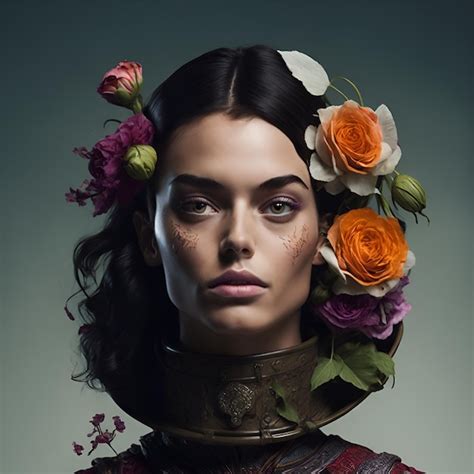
318,170
388,165
325,113
351,287
310,137
322,149
363,185
307,70
334,187
330,257
410,261
387,124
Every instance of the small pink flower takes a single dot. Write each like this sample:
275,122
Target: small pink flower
97,419
119,424
121,85
78,448
101,436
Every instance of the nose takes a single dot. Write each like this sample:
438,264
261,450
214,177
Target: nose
237,239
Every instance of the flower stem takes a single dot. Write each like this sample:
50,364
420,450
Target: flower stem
359,95
340,92
332,346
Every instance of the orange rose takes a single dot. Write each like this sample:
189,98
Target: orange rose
368,247
353,145
354,137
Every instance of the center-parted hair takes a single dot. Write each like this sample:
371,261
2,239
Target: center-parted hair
128,307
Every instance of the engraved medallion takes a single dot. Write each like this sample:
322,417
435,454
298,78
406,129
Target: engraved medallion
235,400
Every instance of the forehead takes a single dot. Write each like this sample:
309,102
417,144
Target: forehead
232,151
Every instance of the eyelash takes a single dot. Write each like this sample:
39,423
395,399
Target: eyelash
293,205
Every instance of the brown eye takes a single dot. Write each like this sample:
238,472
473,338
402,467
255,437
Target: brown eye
194,206
279,205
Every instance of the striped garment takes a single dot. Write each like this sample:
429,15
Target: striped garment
316,452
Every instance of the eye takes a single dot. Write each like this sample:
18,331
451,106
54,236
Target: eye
279,205
194,206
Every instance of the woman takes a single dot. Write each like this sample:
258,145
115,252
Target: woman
212,322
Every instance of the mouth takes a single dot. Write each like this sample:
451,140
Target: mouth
237,290
233,278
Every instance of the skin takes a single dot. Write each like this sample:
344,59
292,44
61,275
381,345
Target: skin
235,226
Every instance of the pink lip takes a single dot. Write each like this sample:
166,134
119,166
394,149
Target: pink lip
238,291
234,277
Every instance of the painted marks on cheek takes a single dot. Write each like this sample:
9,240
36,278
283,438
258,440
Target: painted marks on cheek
182,238
295,242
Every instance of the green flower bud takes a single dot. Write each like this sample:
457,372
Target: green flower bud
140,161
409,194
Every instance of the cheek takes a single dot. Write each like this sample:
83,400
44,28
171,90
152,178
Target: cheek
298,245
181,238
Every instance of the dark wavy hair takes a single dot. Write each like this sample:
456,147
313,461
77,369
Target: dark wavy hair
129,307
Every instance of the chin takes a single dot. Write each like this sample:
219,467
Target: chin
238,321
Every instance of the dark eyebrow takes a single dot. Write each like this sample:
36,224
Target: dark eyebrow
272,183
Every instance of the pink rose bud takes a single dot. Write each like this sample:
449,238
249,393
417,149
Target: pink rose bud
121,85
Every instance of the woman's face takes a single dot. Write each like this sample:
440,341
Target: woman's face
234,195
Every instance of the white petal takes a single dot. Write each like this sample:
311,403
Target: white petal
361,184
388,165
307,70
410,261
325,113
330,257
321,147
386,152
318,170
351,287
351,103
389,130
310,136
382,288
334,187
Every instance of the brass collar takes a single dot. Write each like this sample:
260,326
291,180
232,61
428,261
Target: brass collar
223,399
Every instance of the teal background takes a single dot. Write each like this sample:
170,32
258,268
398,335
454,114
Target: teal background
413,56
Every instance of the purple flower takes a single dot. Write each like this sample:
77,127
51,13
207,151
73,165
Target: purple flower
97,419
110,181
372,316
119,424
77,448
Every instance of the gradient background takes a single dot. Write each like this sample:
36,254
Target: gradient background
413,56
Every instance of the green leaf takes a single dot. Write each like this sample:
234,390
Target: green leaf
326,370
310,425
284,408
362,364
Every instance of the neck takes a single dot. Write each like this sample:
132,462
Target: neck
197,337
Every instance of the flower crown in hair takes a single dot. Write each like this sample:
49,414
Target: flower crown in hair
121,162
354,153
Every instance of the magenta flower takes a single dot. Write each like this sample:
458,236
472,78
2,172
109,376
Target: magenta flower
97,419
102,437
119,424
373,316
78,448
110,181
